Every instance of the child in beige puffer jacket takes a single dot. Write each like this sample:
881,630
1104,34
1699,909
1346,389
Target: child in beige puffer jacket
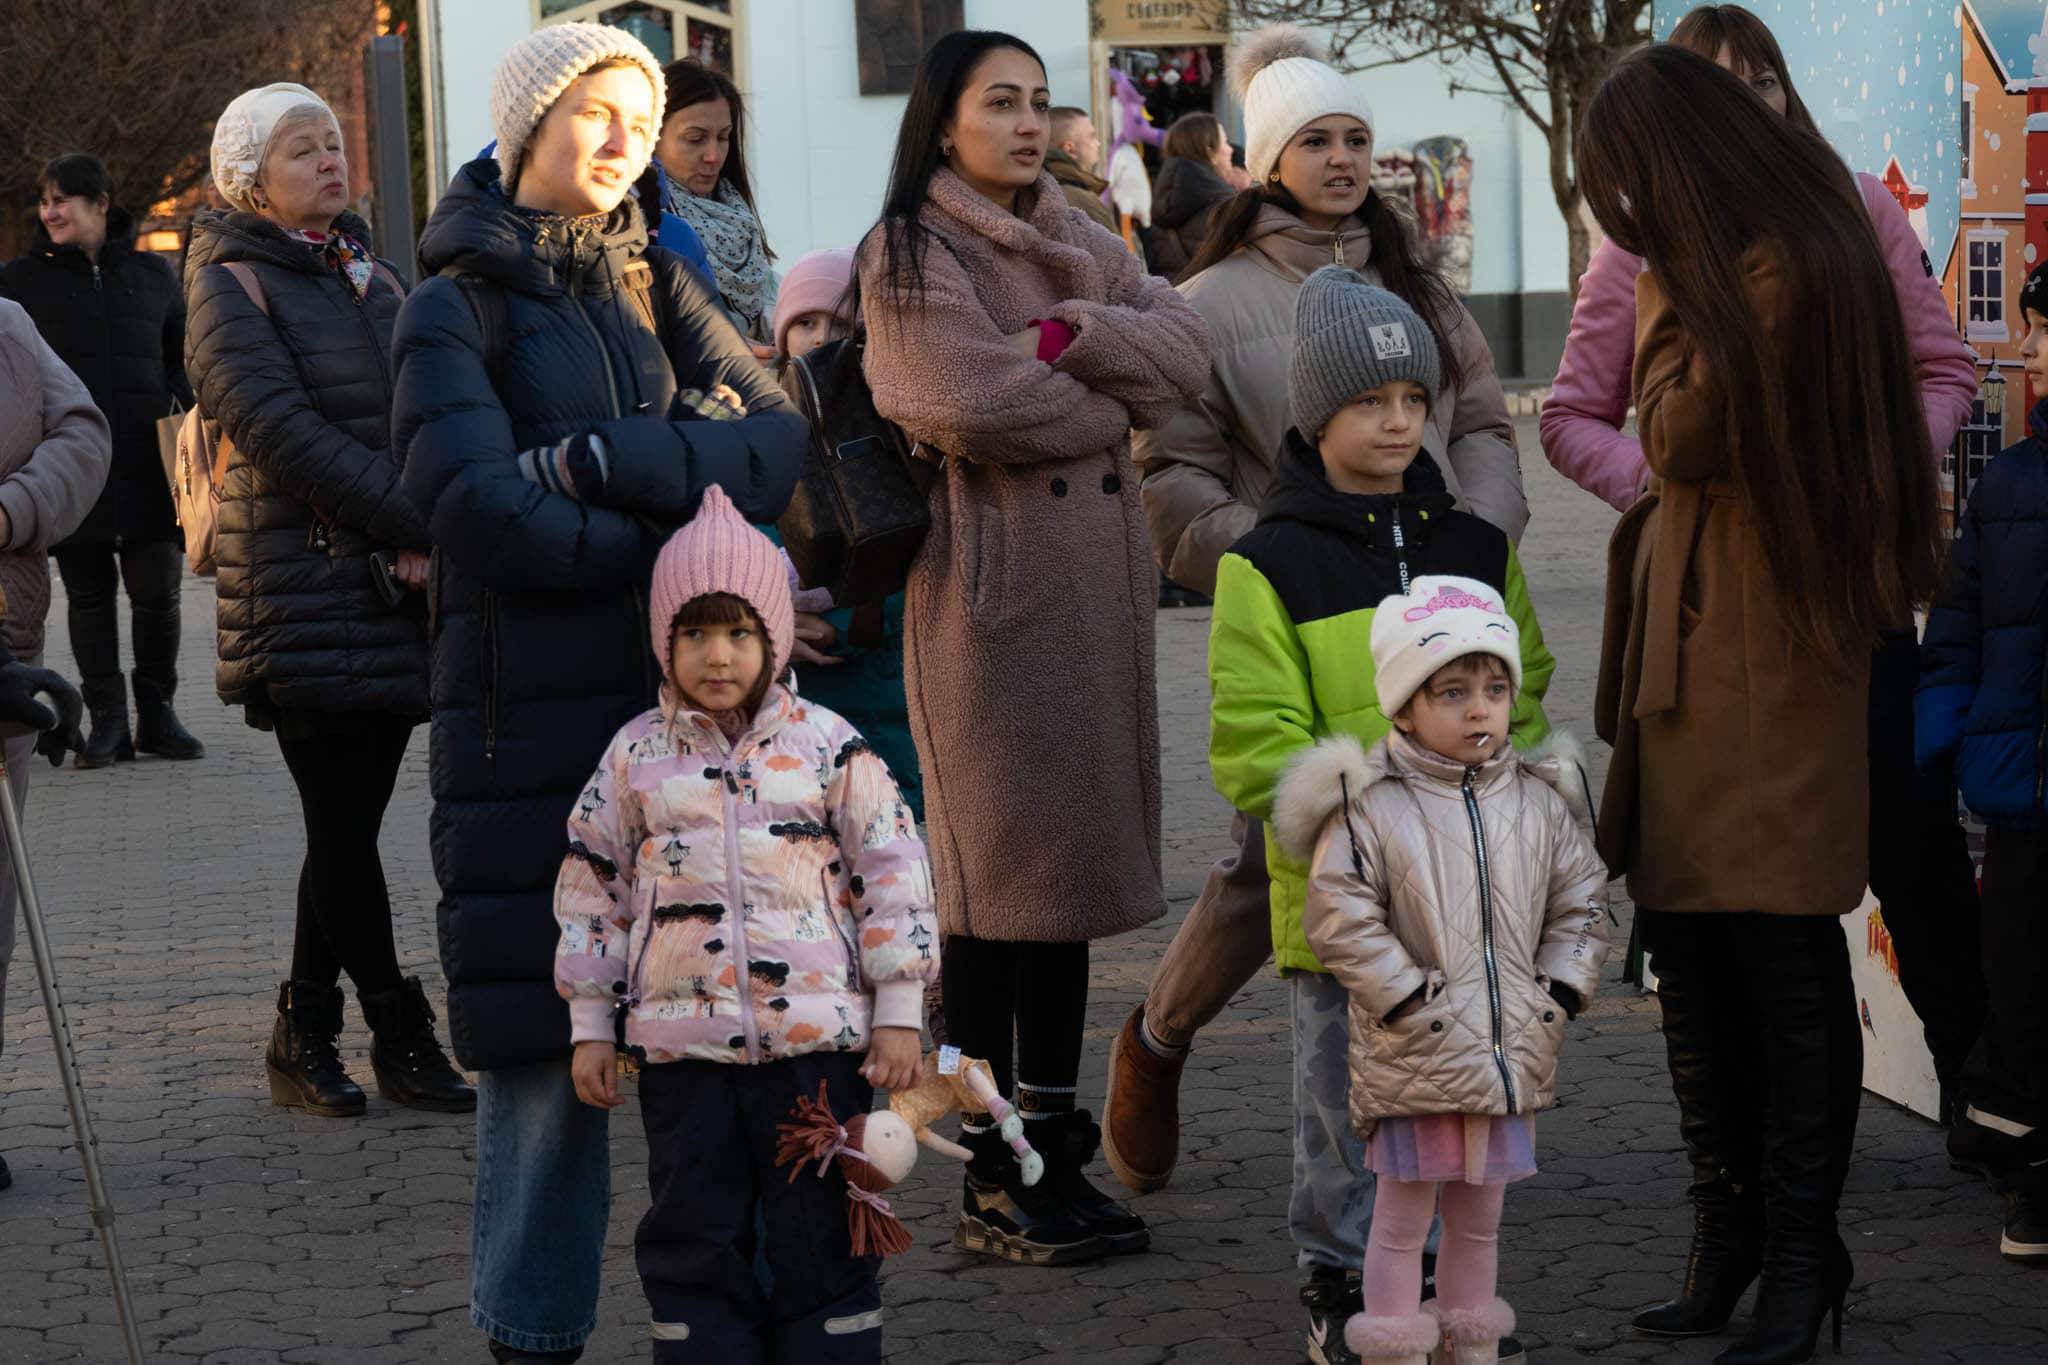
1455,893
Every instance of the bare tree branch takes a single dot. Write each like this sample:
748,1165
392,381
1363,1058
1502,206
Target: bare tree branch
139,82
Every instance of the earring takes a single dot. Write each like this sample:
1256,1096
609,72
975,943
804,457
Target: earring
945,149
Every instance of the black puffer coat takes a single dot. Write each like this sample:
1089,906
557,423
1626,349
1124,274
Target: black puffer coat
305,394
541,648
1184,199
119,323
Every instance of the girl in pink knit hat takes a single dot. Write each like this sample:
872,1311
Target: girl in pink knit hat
746,906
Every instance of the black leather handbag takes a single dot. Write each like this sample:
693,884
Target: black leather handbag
859,512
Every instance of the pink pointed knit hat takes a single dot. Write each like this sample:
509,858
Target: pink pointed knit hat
718,551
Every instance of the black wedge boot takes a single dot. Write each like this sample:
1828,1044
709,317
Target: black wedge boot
1069,1143
411,1068
1002,1216
110,742
157,727
1709,1045
303,1060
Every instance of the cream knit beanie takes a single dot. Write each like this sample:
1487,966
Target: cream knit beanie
1439,618
1284,84
541,66
718,551
241,135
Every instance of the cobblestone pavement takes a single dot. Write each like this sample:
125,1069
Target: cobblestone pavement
253,1235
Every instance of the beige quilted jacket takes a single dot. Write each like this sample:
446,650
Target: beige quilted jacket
1480,884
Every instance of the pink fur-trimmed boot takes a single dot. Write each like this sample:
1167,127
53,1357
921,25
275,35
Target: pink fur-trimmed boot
1392,1339
1472,1335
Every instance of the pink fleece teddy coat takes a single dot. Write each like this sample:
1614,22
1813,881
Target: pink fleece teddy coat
1589,400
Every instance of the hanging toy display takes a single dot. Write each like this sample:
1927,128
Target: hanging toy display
1443,198
1130,188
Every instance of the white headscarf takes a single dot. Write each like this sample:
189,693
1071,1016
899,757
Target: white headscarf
242,135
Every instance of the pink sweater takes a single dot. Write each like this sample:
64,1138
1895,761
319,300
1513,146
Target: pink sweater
1589,400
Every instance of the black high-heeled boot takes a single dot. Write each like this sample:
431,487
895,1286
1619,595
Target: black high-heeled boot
304,1059
1708,1032
410,1067
1813,1067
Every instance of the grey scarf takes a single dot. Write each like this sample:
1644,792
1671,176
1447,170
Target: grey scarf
733,239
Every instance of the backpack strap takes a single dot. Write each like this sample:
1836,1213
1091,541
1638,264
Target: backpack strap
639,282
251,283
487,304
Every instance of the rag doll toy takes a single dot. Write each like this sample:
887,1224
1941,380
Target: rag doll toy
876,1151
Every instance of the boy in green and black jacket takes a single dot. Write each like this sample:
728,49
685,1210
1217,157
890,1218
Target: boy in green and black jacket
1351,518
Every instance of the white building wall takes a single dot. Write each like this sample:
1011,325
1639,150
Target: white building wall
821,150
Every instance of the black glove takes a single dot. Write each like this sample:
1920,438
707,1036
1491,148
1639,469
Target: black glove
18,706
577,466
1569,998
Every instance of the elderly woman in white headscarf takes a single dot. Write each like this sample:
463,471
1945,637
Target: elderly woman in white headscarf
322,624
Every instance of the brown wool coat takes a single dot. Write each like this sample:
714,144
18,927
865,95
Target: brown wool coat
1740,778
1028,617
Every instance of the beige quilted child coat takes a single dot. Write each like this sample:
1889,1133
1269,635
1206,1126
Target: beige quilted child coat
1477,887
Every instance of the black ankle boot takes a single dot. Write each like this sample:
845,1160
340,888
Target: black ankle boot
303,1060
410,1066
1002,1216
1068,1142
1727,1251
157,730
109,743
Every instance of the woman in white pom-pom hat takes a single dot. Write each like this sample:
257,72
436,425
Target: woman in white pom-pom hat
558,381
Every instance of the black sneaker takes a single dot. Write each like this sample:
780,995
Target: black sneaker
1331,1296
1001,1216
2025,1237
1068,1142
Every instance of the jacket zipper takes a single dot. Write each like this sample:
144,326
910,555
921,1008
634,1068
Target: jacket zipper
1400,549
1500,1056
490,678
736,900
1336,247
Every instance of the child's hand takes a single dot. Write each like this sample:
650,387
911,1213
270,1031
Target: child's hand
894,1059
595,1069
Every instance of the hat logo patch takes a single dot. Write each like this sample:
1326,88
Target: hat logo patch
1390,341
1449,599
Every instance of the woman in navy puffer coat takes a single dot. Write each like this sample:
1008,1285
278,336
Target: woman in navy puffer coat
551,370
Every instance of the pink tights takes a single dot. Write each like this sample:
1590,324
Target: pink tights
1468,1253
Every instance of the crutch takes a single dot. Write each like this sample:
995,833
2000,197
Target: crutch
67,1063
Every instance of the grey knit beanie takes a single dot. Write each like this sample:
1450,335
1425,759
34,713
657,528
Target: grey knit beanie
541,66
1350,336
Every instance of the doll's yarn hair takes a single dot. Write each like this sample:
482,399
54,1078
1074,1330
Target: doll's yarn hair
818,1137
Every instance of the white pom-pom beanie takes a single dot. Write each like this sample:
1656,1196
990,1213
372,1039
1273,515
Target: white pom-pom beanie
1439,618
541,66
1284,84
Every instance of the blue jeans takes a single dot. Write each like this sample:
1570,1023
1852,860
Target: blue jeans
543,1200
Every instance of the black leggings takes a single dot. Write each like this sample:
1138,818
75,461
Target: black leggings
1021,1000
345,780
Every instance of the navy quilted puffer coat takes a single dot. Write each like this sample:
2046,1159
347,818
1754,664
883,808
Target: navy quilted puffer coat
305,394
1982,670
539,601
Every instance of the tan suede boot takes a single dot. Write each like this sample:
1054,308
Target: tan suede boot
1141,1111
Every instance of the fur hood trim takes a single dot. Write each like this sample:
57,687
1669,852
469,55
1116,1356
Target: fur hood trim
1268,44
1317,781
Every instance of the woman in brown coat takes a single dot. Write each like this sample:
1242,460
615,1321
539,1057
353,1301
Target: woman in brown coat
1019,344
1791,519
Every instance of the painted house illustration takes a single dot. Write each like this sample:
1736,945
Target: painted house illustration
2002,228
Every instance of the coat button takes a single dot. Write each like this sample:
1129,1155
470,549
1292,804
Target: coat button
1549,1015
1436,1026
1059,488
1112,484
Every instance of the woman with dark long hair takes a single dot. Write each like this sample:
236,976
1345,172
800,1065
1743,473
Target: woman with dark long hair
1790,520
1920,867
1308,144
1019,343
703,147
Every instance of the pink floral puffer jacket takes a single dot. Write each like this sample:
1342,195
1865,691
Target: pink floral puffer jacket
743,902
